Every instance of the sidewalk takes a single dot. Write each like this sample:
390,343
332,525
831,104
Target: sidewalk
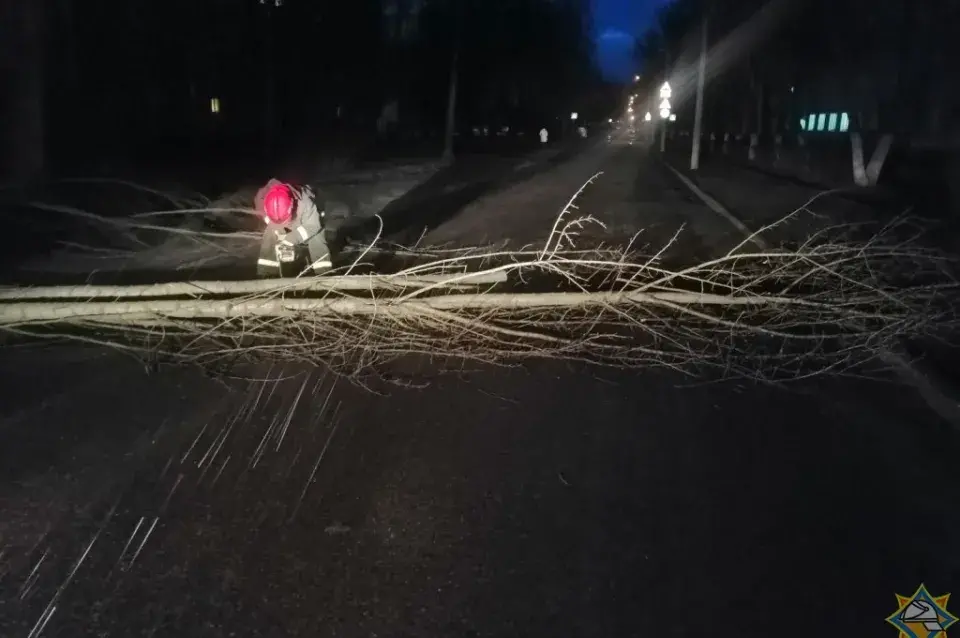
759,199
930,363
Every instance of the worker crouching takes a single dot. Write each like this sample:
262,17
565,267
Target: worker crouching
295,230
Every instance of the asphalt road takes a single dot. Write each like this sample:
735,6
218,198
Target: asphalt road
540,500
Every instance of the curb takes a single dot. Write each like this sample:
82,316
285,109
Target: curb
866,195
939,395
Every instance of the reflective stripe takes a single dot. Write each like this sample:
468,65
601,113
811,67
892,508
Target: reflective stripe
303,232
322,263
268,262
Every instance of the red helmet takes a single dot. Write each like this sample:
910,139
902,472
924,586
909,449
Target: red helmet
278,203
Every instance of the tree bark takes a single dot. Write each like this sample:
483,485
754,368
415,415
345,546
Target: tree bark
451,125
133,312
299,285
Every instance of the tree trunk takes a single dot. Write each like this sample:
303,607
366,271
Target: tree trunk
269,112
133,312
760,107
451,125
257,286
21,74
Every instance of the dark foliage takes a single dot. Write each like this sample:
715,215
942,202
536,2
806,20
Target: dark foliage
123,78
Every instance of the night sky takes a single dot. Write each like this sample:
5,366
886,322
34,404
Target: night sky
617,23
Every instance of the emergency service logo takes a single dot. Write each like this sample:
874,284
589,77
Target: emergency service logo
922,615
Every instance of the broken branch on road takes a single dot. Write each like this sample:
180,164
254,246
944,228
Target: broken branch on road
827,306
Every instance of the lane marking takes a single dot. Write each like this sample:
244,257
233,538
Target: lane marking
718,208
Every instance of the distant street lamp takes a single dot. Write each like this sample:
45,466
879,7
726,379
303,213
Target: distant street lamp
574,115
665,91
636,78
647,117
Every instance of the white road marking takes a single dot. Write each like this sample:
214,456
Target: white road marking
717,207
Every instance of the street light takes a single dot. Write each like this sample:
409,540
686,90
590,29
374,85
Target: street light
574,115
636,78
665,91
647,117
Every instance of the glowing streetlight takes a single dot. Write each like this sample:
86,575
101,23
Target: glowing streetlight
574,115
629,109
632,117
610,121
636,78
647,117
665,108
665,91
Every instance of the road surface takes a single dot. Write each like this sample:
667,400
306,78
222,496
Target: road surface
546,499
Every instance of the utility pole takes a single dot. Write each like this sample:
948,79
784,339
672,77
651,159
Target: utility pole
701,82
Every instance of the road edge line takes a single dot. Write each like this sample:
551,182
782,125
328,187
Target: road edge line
945,403
716,206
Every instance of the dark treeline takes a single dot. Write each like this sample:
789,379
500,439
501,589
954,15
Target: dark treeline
117,77
775,61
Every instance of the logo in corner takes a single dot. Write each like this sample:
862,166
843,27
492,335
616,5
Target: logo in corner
922,615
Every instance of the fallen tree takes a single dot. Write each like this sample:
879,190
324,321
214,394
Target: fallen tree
86,293
828,305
